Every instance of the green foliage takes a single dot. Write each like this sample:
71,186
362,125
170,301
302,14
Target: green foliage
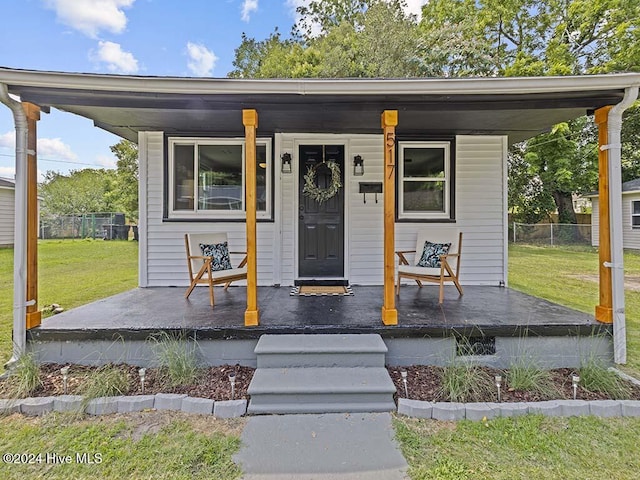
525,375
595,377
177,357
464,382
124,195
81,191
106,381
24,379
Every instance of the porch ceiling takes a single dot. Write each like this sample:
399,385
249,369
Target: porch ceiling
520,108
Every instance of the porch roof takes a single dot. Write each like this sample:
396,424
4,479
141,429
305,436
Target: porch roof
125,105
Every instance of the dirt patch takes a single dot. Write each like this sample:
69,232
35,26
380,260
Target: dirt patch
631,282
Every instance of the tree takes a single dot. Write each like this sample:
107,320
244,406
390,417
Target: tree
124,194
79,192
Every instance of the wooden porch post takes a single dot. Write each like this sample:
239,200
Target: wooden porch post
604,310
389,123
34,315
250,121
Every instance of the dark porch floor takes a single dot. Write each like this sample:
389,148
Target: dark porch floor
483,310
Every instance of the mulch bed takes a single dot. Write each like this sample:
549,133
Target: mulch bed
423,383
213,382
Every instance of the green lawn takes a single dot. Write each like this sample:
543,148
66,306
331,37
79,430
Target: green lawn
149,445
567,275
71,273
530,447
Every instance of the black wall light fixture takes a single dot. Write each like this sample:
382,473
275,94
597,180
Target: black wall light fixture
358,166
286,163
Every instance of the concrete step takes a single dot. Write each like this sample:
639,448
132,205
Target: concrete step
349,350
321,390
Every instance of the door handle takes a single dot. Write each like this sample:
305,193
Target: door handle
301,217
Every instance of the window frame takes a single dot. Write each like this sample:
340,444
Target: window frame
231,215
634,215
446,214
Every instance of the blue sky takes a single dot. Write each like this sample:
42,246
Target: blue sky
142,37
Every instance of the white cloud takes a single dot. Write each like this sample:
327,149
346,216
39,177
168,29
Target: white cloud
47,147
202,61
116,59
7,172
92,16
55,148
248,6
106,161
414,7
8,140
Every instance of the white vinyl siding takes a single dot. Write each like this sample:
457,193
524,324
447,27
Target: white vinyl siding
479,214
479,207
163,256
7,215
630,235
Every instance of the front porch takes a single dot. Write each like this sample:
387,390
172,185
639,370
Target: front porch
514,324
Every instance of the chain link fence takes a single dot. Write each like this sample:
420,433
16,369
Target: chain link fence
551,233
107,225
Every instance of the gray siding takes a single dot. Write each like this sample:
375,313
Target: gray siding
7,216
630,235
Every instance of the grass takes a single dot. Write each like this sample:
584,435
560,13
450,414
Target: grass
106,381
563,275
177,358
532,446
25,378
527,376
149,445
71,273
595,377
463,382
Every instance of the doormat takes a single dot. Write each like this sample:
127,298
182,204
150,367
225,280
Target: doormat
320,291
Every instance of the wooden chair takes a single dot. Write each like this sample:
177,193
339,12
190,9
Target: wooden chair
200,269
449,270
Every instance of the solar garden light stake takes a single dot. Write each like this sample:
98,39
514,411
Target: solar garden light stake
575,379
403,374
65,375
498,380
142,373
232,380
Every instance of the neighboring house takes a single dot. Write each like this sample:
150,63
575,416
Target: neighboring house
7,211
630,215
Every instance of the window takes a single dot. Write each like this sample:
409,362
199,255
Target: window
635,214
207,178
424,180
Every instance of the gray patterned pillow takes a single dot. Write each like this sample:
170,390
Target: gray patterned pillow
431,254
219,253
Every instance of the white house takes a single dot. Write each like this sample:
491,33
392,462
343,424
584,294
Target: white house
630,215
437,158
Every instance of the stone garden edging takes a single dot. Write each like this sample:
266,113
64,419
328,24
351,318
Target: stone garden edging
35,406
452,411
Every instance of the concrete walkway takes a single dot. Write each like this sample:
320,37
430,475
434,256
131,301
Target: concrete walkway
321,447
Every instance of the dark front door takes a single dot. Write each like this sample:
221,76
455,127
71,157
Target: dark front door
321,223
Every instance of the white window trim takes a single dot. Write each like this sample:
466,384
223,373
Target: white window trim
217,214
634,227
447,180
